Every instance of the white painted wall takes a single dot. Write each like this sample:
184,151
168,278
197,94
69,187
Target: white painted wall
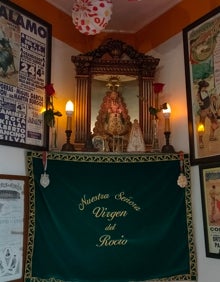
170,72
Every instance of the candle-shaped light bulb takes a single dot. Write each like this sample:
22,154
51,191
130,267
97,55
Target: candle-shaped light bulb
166,114
69,113
69,107
201,128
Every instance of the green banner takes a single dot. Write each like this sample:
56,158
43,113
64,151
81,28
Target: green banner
109,218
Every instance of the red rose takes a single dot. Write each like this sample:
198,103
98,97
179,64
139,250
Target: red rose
49,89
158,87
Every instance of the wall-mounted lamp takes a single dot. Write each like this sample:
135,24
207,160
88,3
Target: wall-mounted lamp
201,130
166,113
69,112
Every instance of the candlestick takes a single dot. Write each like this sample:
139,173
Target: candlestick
167,125
69,112
69,123
166,114
167,148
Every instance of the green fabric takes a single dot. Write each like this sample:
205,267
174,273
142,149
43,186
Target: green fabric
108,221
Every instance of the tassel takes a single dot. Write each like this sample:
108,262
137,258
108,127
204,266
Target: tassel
182,181
44,179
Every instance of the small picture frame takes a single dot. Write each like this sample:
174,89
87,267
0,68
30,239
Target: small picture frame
201,51
98,143
210,193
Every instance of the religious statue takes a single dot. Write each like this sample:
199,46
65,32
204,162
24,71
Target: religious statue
136,140
113,120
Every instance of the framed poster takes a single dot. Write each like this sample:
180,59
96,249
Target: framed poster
25,50
202,63
13,226
210,190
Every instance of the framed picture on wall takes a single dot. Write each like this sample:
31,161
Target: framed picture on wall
13,226
25,51
210,191
202,64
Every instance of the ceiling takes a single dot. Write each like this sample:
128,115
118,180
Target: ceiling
128,16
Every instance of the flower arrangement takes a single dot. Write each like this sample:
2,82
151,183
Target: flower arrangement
50,113
157,87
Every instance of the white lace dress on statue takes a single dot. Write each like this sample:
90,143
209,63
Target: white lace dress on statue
136,140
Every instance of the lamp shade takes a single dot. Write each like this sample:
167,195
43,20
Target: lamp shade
91,16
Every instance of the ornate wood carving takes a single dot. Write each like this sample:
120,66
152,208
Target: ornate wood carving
114,57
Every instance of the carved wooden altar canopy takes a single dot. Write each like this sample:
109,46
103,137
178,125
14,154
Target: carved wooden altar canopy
113,57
